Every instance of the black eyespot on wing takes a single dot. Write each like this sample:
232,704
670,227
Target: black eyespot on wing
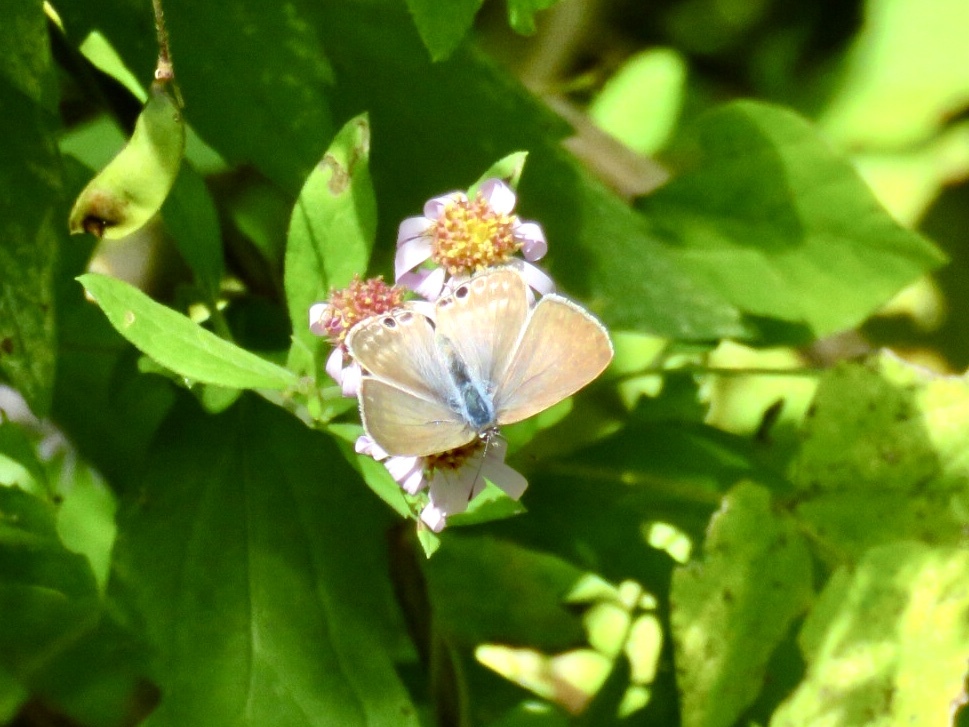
462,292
389,322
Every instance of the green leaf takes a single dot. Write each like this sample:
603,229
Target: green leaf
508,168
485,589
731,609
177,343
130,190
54,638
331,232
19,465
86,518
257,559
640,105
521,14
600,250
886,642
192,220
443,25
883,457
770,217
215,51
905,76
30,206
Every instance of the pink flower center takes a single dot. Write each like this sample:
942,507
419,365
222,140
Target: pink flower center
470,236
361,299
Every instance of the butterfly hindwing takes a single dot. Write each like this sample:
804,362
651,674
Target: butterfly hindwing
407,425
562,349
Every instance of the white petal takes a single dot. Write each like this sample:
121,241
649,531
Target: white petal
534,245
317,311
536,278
434,208
334,365
433,518
501,475
412,228
410,255
450,491
404,470
499,196
366,445
352,375
430,288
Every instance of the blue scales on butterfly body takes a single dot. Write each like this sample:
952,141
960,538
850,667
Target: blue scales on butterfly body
473,400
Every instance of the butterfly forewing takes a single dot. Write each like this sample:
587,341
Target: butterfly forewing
407,425
483,320
398,348
562,349
406,389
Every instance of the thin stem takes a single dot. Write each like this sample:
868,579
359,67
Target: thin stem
806,371
164,70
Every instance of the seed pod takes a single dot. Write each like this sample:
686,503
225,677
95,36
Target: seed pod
128,192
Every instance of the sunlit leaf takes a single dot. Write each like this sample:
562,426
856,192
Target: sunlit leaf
331,232
732,607
886,642
177,343
905,75
771,217
884,458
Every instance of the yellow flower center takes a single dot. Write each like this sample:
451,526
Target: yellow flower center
470,236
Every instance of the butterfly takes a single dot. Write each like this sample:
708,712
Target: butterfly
488,356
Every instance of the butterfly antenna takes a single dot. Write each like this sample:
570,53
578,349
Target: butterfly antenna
486,436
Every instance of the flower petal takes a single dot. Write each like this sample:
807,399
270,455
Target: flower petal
432,285
450,490
501,475
499,196
536,278
410,255
534,245
366,445
413,228
435,207
408,472
334,365
317,311
433,518
352,375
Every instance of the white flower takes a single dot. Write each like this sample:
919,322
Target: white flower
460,236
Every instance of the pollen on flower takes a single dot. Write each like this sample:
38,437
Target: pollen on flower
359,300
470,236
453,459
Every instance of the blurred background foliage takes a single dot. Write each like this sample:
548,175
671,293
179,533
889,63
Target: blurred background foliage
236,571
884,81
